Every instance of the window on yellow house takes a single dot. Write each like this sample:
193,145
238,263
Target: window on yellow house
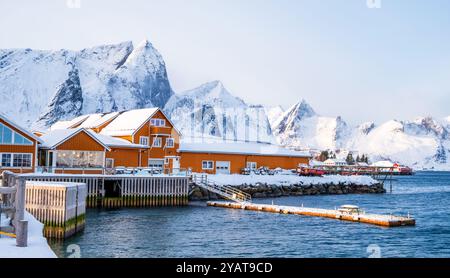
170,143
157,142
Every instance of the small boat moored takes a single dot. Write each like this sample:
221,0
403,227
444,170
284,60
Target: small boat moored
350,209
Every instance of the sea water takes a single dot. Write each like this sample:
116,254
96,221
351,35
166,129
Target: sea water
201,231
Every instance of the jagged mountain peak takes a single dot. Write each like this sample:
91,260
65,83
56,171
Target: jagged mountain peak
215,88
302,110
215,93
144,56
427,126
392,125
111,77
210,110
298,112
366,128
145,43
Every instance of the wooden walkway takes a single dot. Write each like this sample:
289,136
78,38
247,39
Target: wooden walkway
374,219
118,191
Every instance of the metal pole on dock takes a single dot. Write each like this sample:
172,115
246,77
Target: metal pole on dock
21,224
390,183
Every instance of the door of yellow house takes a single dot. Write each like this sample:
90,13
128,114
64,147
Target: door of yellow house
173,163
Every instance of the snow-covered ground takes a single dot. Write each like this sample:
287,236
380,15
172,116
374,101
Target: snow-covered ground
286,180
37,244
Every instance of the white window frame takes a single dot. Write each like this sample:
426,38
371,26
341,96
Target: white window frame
157,139
170,140
144,138
106,163
207,166
166,161
250,165
12,161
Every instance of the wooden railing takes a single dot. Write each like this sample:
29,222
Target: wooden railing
118,171
227,192
12,193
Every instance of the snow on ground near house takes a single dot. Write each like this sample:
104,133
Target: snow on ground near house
287,180
37,244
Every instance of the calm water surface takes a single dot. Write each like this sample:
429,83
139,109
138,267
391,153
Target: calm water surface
200,231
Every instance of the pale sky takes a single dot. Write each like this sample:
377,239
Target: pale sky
344,58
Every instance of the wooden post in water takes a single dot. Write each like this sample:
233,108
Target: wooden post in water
390,179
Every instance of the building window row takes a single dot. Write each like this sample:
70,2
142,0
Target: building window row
16,160
208,165
157,142
158,122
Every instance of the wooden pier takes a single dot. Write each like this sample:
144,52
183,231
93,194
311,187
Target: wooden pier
116,191
60,206
374,219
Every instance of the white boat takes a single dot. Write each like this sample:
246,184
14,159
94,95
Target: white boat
350,209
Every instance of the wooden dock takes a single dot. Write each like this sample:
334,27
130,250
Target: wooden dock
117,191
374,219
60,206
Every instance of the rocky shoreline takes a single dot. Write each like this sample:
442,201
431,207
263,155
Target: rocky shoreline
260,190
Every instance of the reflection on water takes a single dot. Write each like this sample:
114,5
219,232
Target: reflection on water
200,231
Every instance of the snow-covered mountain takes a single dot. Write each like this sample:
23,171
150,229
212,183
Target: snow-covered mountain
211,111
40,87
301,127
421,143
274,113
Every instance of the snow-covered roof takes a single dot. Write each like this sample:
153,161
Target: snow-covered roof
240,148
116,142
96,120
385,163
55,138
69,124
128,122
18,127
335,161
313,162
92,118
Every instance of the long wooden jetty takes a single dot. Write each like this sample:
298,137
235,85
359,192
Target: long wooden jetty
374,219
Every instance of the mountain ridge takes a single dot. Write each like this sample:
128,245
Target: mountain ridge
111,77
40,87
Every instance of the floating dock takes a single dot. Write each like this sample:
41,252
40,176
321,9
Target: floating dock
374,219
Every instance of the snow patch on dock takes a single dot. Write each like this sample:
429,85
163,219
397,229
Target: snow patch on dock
37,243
